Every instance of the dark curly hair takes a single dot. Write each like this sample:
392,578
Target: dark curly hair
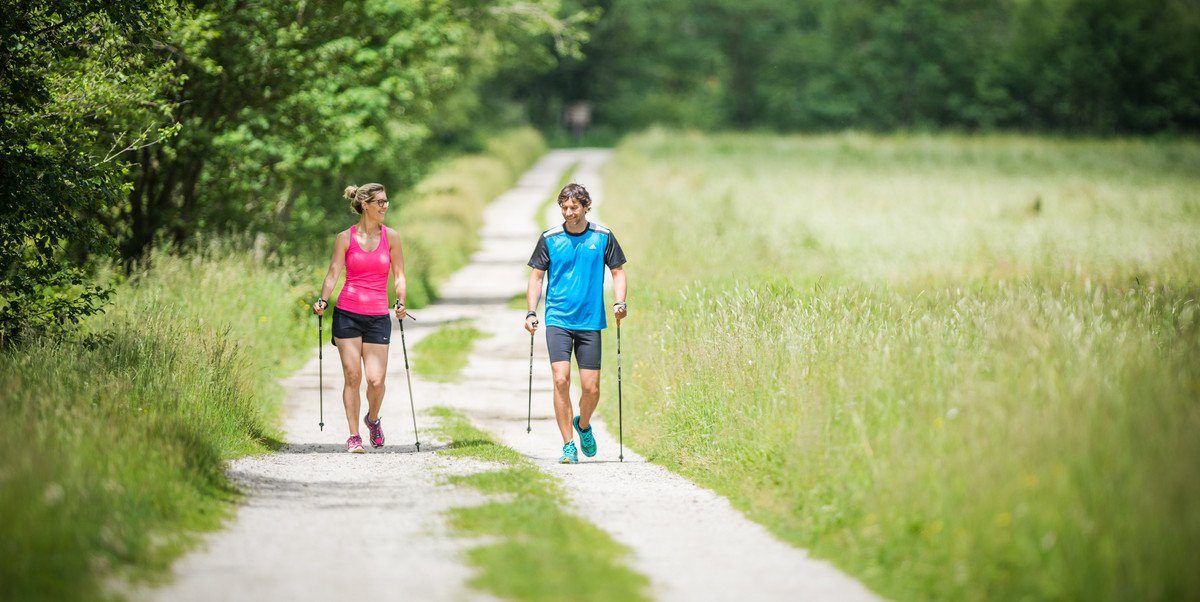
577,192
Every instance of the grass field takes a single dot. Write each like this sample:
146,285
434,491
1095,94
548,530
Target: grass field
963,368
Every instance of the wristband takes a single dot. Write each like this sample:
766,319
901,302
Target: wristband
398,304
323,303
532,314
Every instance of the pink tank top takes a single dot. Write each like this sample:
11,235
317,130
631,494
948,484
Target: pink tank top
365,290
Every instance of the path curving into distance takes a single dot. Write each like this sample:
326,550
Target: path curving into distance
319,523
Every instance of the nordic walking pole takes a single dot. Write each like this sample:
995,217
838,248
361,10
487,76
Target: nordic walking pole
411,404
620,421
321,369
529,414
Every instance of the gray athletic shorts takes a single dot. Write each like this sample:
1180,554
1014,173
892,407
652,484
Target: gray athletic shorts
585,343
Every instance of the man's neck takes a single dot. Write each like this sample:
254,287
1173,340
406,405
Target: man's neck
583,224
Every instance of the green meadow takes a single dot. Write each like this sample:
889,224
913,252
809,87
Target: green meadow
961,368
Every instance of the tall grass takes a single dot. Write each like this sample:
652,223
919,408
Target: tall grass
114,448
962,368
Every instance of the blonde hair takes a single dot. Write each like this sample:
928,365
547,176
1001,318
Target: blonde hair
361,194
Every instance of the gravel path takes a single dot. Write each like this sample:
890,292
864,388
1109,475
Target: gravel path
320,523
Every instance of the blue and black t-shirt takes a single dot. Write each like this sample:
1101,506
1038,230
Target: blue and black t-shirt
575,266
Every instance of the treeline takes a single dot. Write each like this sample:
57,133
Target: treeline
1063,66
127,123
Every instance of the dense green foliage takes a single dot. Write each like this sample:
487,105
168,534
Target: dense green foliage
963,368
77,89
127,123
285,104
530,537
1097,66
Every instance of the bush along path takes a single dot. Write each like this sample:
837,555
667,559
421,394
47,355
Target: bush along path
319,523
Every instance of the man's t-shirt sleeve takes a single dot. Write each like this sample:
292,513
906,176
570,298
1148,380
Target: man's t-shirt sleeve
614,257
541,256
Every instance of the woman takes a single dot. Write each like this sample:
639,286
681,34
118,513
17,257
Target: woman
362,327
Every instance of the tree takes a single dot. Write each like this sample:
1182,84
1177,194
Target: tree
1102,66
284,103
76,94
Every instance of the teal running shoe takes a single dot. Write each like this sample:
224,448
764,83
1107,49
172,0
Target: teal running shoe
570,456
587,441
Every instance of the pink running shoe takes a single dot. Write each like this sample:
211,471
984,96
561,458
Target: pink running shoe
354,445
376,429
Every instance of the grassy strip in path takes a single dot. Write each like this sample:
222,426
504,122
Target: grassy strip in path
542,552
442,355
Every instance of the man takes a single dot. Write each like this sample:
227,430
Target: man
575,255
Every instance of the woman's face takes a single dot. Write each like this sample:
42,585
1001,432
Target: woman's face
573,212
377,207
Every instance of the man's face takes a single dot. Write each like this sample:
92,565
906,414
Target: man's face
572,212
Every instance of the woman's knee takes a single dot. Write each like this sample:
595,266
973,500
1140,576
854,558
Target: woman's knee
375,383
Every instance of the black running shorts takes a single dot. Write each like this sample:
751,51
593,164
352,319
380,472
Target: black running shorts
372,329
586,344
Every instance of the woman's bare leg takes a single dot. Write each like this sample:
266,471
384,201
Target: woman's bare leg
351,352
375,361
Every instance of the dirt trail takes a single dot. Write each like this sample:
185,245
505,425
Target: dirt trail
322,524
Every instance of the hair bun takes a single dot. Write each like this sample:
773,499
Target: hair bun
351,191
